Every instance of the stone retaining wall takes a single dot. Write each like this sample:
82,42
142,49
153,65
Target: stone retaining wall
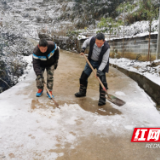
134,48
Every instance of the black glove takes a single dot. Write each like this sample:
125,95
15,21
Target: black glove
82,50
55,66
40,78
99,73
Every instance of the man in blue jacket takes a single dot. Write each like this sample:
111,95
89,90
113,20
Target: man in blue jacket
99,59
45,56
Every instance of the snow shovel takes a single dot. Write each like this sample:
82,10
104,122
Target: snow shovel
57,105
110,97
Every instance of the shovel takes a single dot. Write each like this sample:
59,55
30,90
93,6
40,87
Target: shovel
110,97
57,105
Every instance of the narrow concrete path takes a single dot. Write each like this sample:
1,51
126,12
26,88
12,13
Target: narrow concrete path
79,130
98,146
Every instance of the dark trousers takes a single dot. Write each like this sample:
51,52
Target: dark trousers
87,71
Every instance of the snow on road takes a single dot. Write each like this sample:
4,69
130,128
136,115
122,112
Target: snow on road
28,132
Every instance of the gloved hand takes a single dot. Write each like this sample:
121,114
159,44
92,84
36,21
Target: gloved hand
40,78
55,66
99,73
82,51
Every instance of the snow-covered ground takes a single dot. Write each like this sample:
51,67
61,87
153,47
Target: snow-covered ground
137,29
27,59
23,18
27,133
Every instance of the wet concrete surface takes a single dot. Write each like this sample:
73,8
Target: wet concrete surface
66,84
92,146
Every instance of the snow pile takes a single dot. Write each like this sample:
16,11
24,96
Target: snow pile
28,60
81,37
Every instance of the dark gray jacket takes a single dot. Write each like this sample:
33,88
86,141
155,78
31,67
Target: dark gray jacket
47,59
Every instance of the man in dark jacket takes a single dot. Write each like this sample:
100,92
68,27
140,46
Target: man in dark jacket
45,56
99,59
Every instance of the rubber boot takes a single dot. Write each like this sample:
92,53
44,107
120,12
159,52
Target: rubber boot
83,85
102,97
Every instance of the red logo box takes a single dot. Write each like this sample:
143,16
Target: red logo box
146,135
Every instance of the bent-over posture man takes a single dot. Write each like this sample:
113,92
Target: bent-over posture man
99,59
45,56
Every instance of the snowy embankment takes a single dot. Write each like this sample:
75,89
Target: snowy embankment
143,68
28,60
137,29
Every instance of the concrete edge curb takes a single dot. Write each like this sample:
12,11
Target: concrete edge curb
151,88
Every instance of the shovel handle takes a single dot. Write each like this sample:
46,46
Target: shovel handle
57,105
95,74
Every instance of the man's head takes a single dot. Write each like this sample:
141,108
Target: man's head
100,39
43,45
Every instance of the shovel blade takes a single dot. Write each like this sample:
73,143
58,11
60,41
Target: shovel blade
115,100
